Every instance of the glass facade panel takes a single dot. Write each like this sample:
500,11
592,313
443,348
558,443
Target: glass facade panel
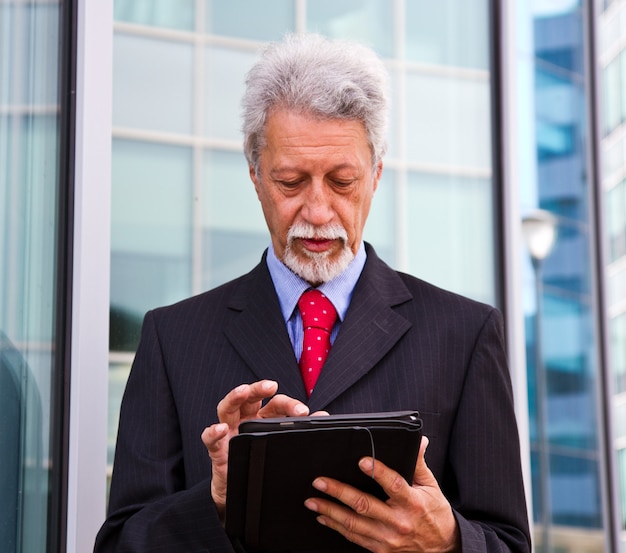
150,235
448,33
250,19
118,373
157,13
617,284
619,429
614,103
368,21
233,229
614,157
30,268
381,227
568,358
457,210
616,221
223,88
452,119
150,74
618,359
575,484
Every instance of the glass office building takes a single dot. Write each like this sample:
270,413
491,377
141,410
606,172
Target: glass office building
565,371
134,193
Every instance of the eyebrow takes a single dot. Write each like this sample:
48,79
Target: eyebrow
286,169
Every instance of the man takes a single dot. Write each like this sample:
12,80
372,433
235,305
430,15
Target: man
314,126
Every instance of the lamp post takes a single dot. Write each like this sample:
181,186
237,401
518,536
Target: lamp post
539,232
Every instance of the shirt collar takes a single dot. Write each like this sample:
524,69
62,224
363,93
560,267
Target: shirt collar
289,286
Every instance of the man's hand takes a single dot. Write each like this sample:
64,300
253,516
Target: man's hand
242,403
415,518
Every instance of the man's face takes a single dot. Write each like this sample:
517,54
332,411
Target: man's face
315,185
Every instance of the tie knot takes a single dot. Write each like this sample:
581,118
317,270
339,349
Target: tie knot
317,310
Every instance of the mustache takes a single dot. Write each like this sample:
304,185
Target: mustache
312,232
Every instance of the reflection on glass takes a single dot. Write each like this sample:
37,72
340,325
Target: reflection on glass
224,75
151,233
380,230
157,13
266,20
118,374
368,21
448,33
29,189
616,221
152,80
447,207
567,342
613,113
452,120
234,233
618,360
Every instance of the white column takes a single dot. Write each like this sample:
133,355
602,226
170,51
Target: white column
90,309
510,25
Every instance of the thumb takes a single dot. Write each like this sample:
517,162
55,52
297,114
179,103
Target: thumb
423,475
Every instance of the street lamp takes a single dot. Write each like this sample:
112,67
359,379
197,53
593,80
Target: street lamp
539,231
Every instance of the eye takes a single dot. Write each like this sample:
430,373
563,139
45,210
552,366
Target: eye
289,183
342,183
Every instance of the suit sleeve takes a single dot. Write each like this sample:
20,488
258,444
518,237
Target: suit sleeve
484,456
150,506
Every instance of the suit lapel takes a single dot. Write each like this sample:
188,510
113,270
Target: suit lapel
371,328
259,333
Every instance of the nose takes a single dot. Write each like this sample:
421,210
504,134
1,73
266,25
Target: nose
317,204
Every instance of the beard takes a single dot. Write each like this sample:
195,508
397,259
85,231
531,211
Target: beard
318,267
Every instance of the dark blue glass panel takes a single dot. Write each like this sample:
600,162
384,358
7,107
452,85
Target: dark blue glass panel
558,41
563,356
575,491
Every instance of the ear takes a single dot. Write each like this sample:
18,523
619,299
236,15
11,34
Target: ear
378,173
254,179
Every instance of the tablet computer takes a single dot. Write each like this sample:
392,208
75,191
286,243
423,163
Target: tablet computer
273,462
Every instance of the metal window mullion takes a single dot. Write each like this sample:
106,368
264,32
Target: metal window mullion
197,248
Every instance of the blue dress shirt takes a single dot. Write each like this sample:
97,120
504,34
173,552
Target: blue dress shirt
289,287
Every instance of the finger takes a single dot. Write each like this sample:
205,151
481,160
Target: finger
283,406
262,389
353,526
256,393
359,502
423,476
392,482
244,401
213,438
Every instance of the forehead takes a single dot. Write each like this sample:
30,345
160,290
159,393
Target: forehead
293,135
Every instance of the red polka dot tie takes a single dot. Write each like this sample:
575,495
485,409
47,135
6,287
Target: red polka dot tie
318,317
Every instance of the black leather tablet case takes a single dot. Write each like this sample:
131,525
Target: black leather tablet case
273,462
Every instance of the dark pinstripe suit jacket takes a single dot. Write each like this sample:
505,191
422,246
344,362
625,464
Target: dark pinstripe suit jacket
404,344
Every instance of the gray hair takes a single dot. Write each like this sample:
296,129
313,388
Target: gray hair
324,78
